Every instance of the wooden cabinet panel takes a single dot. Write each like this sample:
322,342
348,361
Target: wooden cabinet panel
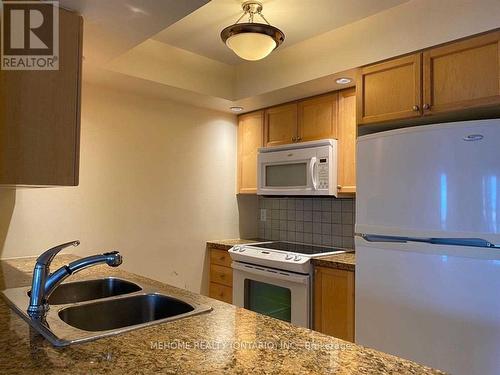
221,275
221,292
40,116
462,74
347,141
390,90
334,302
250,134
220,257
317,118
280,125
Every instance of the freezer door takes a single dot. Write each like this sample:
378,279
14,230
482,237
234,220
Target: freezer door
435,181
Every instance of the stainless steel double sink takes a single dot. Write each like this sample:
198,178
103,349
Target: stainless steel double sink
86,310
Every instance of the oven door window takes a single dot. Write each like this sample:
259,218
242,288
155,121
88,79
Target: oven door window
268,299
286,175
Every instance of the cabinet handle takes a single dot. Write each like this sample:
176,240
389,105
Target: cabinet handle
427,106
339,187
416,108
299,138
294,139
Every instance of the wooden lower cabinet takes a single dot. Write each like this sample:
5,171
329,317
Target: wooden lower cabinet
334,302
221,292
221,275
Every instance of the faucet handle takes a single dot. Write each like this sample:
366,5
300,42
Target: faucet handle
46,258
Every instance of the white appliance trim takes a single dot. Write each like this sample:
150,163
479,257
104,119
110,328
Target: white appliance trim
294,146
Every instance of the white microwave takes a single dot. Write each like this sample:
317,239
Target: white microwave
307,168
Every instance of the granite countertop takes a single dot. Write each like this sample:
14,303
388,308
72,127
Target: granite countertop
227,244
346,261
227,340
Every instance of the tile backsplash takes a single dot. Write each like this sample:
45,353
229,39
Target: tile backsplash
320,221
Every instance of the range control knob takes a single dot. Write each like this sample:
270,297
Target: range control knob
297,258
288,257
242,249
236,248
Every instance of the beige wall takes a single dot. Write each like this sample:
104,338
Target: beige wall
157,180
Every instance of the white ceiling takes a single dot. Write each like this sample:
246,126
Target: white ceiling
298,19
115,26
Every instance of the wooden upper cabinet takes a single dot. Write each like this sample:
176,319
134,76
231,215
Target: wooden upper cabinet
40,116
347,141
280,125
462,74
334,302
250,133
390,90
317,118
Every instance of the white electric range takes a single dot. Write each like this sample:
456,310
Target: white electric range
275,278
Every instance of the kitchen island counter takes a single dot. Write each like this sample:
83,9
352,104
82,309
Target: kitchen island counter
226,340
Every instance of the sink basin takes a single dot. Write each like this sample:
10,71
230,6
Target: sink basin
81,291
87,310
123,312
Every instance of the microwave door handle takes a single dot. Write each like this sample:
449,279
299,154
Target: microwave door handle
312,170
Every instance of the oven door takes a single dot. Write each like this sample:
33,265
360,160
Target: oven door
280,294
289,172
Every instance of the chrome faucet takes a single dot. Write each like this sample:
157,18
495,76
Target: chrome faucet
44,282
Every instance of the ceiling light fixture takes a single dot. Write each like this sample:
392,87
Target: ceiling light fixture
252,40
236,109
343,80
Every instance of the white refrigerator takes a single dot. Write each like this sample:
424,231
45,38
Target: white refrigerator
428,245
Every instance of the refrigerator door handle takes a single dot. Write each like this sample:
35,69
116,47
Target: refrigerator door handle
473,242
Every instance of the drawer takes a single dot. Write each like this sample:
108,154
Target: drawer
221,292
221,275
220,257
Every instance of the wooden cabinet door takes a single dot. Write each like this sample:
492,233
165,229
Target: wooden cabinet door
250,133
317,118
280,125
334,302
40,116
347,142
390,90
462,75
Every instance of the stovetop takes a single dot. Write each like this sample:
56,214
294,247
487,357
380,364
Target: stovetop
298,248
281,255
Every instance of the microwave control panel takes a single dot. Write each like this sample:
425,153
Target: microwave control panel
323,173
